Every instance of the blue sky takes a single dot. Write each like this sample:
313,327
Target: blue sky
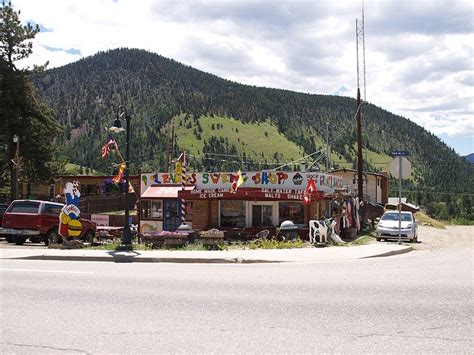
463,145
418,53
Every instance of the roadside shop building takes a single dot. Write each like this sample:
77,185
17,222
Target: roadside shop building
263,201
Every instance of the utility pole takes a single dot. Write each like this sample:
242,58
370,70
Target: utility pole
360,191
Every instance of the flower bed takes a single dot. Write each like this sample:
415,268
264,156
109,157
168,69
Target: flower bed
165,239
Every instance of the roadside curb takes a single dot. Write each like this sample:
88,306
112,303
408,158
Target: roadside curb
123,258
133,259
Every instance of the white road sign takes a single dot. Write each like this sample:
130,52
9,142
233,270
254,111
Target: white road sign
406,167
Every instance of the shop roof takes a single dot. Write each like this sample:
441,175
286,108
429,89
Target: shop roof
164,191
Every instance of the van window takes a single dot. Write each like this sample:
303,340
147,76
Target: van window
24,207
49,208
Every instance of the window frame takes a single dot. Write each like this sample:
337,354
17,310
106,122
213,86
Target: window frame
146,210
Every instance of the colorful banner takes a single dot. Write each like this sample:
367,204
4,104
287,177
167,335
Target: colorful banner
252,179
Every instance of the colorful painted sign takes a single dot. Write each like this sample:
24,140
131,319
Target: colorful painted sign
254,179
69,218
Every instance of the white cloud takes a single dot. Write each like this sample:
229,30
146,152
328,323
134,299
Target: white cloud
419,53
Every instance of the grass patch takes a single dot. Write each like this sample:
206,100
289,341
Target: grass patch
364,239
259,140
261,244
461,222
425,220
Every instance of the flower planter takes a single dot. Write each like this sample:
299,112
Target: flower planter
175,241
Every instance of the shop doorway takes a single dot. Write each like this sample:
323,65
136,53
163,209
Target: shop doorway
262,215
171,215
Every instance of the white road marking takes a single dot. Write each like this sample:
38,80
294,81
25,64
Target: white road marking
56,271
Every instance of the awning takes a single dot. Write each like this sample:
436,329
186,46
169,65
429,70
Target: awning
249,194
164,191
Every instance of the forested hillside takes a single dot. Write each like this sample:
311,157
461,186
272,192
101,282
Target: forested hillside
158,92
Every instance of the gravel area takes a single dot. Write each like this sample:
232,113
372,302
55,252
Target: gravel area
450,237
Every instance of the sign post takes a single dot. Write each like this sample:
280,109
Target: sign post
404,170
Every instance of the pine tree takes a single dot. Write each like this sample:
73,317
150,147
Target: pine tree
21,112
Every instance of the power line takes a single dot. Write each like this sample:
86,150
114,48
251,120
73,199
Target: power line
439,192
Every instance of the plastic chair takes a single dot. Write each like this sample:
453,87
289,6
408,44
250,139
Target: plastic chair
260,235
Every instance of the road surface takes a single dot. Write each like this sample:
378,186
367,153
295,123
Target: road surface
412,303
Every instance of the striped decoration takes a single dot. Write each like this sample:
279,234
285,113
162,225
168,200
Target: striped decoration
183,181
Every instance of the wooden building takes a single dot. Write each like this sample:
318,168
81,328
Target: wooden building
375,185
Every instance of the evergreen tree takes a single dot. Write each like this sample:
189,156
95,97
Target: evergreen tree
21,111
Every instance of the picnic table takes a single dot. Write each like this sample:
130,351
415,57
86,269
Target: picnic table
108,232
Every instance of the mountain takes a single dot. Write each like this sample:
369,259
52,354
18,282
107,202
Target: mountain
210,116
470,158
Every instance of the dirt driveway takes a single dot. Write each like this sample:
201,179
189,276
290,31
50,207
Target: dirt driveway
450,237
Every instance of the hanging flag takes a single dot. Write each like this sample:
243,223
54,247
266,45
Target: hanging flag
179,166
117,178
237,182
310,188
106,147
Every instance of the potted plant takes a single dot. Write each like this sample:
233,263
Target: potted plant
211,237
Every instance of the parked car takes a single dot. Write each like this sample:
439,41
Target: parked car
390,207
388,226
38,221
3,207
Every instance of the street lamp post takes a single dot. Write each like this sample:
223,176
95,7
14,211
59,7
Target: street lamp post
16,167
117,127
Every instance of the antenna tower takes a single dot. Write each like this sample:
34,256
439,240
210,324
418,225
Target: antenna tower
360,42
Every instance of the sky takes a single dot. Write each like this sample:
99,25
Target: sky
419,54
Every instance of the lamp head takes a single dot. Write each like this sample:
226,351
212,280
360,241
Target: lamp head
117,126
16,138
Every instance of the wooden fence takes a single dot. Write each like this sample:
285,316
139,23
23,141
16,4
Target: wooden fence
97,204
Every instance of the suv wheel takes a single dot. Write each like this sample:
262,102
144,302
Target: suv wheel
19,240
88,237
9,238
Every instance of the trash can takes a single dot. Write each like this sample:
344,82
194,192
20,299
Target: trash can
288,231
186,230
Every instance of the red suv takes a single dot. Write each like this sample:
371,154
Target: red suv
38,221
3,208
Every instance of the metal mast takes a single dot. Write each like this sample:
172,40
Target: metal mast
360,41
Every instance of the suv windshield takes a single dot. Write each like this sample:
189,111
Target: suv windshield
406,217
25,207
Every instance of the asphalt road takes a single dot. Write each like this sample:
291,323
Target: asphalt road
412,303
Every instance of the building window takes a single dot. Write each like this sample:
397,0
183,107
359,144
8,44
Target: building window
151,209
232,214
293,211
156,210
